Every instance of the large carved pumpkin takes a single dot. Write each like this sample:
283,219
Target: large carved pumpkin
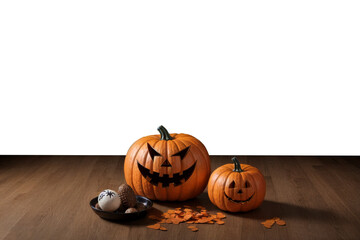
237,187
167,167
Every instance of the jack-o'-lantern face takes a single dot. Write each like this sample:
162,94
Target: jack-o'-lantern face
239,191
236,187
165,163
167,167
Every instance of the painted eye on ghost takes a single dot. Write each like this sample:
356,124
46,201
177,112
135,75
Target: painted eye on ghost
177,179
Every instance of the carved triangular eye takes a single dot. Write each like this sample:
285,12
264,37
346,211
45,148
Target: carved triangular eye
182,153
232,184
247,184
152,152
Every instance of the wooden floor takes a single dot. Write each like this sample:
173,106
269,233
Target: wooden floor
47,197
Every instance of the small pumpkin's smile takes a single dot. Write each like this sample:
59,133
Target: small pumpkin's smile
177,179
239,201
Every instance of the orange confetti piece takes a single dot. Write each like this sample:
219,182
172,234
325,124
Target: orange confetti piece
198,215
182,214
281,222
203,220
155,226
205,214
267,226
166,215
193,228
189,216
175,221
268,223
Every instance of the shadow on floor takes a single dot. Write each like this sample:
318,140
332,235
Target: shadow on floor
268,209
200,200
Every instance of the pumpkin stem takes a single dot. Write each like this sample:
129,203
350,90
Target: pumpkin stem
164,133
237,165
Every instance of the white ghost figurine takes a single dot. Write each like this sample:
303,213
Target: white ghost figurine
109,200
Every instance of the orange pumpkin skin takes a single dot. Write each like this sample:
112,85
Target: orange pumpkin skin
238,189
167,167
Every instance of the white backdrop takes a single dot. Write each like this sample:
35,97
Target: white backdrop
245,77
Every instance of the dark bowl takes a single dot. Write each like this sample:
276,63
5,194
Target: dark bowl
119,216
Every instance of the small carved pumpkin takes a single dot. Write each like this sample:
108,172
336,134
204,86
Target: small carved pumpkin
236,187
167,167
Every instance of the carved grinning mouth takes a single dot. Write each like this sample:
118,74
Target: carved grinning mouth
239,201
154,178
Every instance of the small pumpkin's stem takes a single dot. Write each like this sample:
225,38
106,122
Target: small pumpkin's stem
164,133
237,165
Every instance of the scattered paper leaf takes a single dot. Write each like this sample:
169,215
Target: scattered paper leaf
193,228
220,215
187,215
155,226
270,222
281,222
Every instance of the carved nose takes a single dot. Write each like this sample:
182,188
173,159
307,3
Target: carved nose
240,191
166,163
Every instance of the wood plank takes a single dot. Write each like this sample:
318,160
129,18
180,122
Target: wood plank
47,197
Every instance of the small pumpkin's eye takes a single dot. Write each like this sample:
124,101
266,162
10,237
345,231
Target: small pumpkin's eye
247,184
232,184
152,152
182,153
